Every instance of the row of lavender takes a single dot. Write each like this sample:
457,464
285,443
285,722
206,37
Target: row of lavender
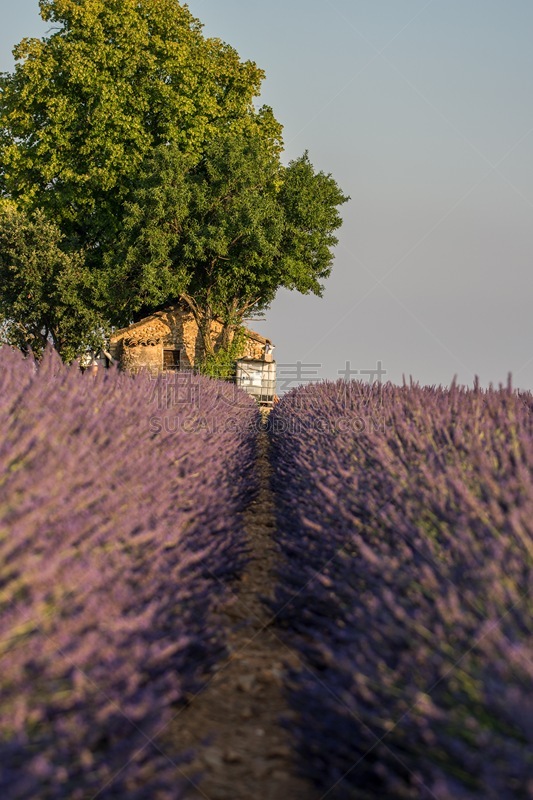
119,531
406,521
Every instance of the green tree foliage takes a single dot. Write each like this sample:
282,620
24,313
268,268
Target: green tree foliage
113,80
43,296
221,363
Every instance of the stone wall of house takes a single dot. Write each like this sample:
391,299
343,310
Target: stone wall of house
186,338
141,347
183,336
254,349
143,357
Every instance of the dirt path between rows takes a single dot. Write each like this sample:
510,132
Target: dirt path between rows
248,756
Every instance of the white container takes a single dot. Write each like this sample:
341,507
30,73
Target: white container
257,378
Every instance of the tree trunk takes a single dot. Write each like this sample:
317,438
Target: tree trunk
203,318
227,336
205,332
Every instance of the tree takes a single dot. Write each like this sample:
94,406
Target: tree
224,232
43,298
137,139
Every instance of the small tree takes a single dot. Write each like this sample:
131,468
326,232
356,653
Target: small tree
45,291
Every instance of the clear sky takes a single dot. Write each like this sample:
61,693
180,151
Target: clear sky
423,113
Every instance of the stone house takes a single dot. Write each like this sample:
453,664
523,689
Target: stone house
169,340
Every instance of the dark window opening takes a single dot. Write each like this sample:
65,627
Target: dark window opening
171,360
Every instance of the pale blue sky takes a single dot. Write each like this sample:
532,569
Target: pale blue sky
423,112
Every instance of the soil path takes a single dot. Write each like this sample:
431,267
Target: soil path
248,756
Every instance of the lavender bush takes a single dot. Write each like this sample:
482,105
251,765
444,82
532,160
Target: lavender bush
406,521
119,530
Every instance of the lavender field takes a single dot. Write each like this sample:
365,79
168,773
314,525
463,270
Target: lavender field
120,528
405,530
405,518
